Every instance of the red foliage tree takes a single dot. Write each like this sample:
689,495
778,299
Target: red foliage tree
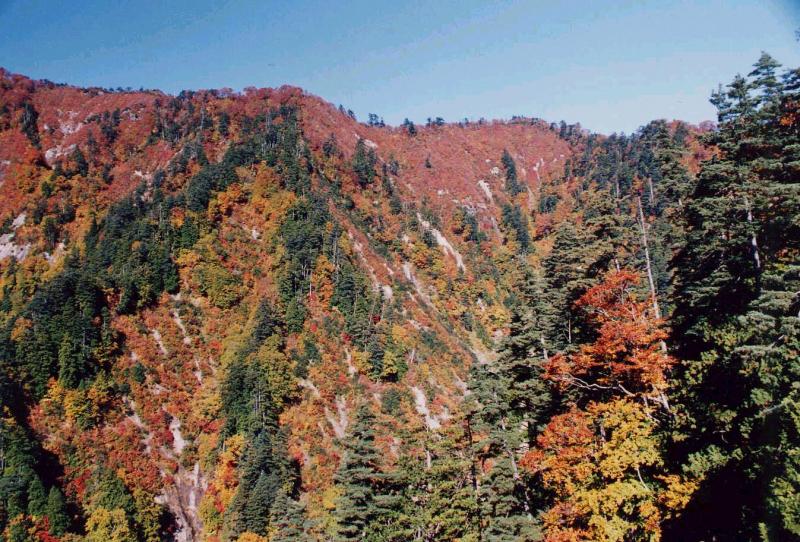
628,354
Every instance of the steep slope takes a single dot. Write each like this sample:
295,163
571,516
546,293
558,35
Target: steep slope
204,272
247,316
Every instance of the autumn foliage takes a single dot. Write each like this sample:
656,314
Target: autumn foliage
230,316
605,467
604,464
628,352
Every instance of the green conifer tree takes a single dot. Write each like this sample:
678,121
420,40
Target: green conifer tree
364,160
505,509
737,321
439,497
288,519
523,352
37,497
513,186
56,512
360,482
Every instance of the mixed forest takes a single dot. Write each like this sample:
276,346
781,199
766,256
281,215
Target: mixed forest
247,316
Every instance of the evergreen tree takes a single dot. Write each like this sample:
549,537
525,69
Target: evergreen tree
224,124
736,318
330,147
70,363
439,500
513,186
505,509
29,123
568,269
262,472
56,512
524,351
360,481
501,496
50,232
259,500
81,165
288,519
364,160
515,223
661,207
611,234
37,497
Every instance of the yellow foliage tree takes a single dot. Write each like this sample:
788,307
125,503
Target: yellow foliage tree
401,336
392,361
106,525
278,368
224,484
605,467
323,281
251,537
360,360
148,516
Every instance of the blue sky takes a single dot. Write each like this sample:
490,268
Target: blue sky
610,65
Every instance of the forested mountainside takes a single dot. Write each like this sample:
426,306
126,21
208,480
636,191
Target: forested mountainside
248,316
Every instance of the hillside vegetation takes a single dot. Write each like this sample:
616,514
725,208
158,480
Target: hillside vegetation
248,316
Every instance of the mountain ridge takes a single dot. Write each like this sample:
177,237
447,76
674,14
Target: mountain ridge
248,316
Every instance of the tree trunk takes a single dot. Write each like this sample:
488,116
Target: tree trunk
651,196
643,226
753,240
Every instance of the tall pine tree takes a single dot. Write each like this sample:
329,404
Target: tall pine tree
360,507
737,317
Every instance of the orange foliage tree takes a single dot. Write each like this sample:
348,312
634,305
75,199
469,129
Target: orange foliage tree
628,354
604,466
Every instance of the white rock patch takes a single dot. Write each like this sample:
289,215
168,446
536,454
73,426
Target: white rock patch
178,442
176,317
486,190
421,404
339,423
307,384
442,241
8,247
348,359
408,272
157,336
52,154
69,126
